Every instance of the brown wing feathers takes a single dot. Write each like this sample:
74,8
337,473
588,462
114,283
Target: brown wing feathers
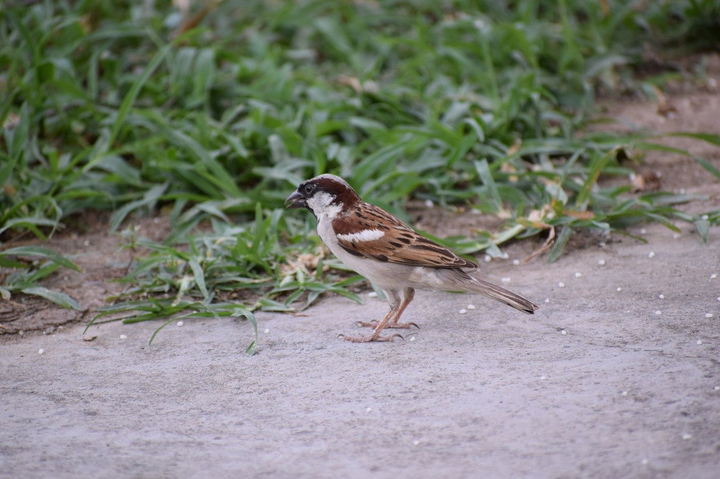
372,232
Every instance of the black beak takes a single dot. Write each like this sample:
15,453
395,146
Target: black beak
296,200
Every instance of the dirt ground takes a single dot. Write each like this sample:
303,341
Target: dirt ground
617,374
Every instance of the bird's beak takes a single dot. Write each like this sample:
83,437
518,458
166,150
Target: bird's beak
296,200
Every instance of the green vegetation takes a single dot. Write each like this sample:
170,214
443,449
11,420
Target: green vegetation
214,115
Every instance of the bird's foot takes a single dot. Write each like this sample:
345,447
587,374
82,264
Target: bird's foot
374,323
367,339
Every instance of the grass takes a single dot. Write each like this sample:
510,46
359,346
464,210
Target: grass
214,115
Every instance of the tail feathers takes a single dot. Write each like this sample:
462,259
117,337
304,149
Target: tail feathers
473,285
501,294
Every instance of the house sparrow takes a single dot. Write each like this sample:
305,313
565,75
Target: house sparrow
387,252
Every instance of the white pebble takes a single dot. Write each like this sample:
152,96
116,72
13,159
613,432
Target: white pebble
577,275
41,350
704,217
412,339
547,300
713,276
563,332
619,289
368,409
658,312
643,231
699,341
717,388
463,311
505,256
505,280
87,243
561,284
601,262
123,337
487,258
661,296
516,262
471,306
180,323
687,436
542,378
601,244
429,203
267,331
372,294
708,315
676,236
644,462
651,254
416,443
718,298
624,393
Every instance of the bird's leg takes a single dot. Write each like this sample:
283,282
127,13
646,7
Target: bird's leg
395,309
407,296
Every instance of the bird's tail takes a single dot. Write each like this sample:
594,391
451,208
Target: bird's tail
473,285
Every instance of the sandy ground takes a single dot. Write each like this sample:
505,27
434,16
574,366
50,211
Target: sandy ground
623,392
617,375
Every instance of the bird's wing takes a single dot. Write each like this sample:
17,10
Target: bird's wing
374,233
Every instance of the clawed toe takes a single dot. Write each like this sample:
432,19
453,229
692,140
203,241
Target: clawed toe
380,339
366,324
402,326
373,324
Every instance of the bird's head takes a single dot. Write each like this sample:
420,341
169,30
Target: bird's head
324,195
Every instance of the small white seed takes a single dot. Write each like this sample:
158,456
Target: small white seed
618,289
651,254
601,262
471,306
561,284
463,311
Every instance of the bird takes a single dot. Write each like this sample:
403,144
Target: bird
389,253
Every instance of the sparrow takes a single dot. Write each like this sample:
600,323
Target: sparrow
389,253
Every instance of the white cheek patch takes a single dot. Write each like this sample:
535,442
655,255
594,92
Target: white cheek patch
364,235
322,205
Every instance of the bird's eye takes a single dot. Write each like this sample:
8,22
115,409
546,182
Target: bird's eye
309,188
